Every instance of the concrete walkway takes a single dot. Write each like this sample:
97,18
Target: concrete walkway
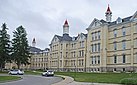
70,81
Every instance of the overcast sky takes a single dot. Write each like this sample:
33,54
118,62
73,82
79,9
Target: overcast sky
45,18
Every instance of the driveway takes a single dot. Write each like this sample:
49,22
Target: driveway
34,80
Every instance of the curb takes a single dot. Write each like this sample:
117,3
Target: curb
67,80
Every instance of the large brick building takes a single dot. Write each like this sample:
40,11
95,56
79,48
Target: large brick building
107,46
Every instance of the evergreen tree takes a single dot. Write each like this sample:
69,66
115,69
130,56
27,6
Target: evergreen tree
4,46
20,47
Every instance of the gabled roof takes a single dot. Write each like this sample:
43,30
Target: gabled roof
65,37
99,22
123,20
135,14
35,50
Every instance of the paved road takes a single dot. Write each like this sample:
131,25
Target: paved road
34,80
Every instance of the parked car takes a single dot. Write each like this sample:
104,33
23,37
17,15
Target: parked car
16,72
48,73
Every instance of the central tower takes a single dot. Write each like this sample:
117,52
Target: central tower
66,28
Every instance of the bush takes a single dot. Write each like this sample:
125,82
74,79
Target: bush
129,81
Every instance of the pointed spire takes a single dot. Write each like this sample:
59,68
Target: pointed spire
66,27
108,14
108,10
66,22
34,41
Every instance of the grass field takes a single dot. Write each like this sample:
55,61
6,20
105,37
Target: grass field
98,77
9,78
33,72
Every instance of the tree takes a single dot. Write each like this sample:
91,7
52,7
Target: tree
20,47
4,46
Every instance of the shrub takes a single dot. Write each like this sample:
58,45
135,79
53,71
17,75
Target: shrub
129,81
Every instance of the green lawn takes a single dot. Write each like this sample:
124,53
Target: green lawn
33,72
98,77
9,78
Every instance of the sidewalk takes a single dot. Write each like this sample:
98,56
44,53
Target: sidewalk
70,81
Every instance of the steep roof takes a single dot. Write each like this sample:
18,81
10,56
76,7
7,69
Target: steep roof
123,20
34,49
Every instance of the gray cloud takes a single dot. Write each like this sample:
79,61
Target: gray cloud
44,18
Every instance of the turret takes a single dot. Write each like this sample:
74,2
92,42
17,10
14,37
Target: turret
108,14
66,28
33,42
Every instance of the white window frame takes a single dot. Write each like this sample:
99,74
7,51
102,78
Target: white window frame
123,31
123,44
115,33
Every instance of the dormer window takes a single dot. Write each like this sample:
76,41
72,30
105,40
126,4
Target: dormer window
73,38
119,20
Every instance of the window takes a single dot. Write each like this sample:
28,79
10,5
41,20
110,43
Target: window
123,44
95,47
61,46
92,36
115,46
115,33
92,47
124,58
74,53
91,59
98,47
72,45
82,44
66,54
79,53
98,34
66,46
83,53
95,59
95,35
115,59
60,54
115,69
124,69
123,31
98,59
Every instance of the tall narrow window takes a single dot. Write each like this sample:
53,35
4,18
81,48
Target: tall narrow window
115,33
92,47
98,34
95,59
98,59
95,35
91,59
123,31
115,46
98,47
61,46
124,58
115,59
60,54
82,44
95,47
123,44
92,36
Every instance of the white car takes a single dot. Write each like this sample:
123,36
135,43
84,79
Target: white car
48,73
16,72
